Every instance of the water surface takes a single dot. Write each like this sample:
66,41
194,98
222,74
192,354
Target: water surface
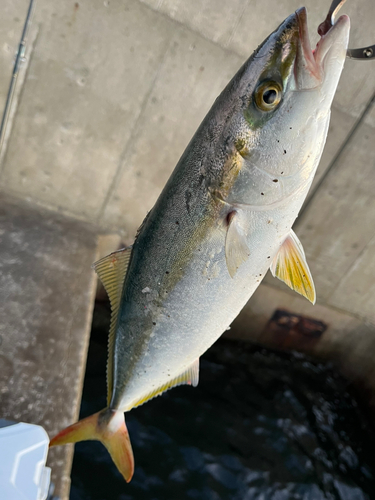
261,425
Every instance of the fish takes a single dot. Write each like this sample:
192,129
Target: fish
223,219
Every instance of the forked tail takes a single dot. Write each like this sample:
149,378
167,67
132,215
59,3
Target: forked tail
108,427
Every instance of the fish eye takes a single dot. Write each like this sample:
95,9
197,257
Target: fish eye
268,95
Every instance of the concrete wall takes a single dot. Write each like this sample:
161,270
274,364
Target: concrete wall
109,95
115,89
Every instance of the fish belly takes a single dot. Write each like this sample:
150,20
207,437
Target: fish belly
203,304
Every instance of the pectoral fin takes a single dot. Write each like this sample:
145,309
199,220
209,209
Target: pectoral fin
290,266
236,249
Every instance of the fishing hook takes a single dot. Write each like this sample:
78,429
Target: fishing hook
362,54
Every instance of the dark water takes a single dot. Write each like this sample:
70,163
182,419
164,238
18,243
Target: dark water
261,425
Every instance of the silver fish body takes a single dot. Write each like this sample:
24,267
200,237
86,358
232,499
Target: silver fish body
223,218
178,294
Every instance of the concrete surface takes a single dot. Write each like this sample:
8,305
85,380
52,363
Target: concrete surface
76,114
338,225
115,90
240,26
47,290
12,18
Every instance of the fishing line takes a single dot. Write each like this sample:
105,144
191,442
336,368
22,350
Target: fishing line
17,64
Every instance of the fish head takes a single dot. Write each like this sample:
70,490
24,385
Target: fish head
285,91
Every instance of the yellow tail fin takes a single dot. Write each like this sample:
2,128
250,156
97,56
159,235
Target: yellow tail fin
108,427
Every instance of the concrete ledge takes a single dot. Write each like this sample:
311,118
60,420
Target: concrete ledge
47,290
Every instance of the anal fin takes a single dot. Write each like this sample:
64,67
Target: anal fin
290,266
187,377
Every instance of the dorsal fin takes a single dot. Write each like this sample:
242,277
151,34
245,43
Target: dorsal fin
112,271
189,377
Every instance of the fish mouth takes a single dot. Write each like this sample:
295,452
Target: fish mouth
312,66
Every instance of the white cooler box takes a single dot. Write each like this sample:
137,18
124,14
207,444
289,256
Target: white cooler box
23,455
